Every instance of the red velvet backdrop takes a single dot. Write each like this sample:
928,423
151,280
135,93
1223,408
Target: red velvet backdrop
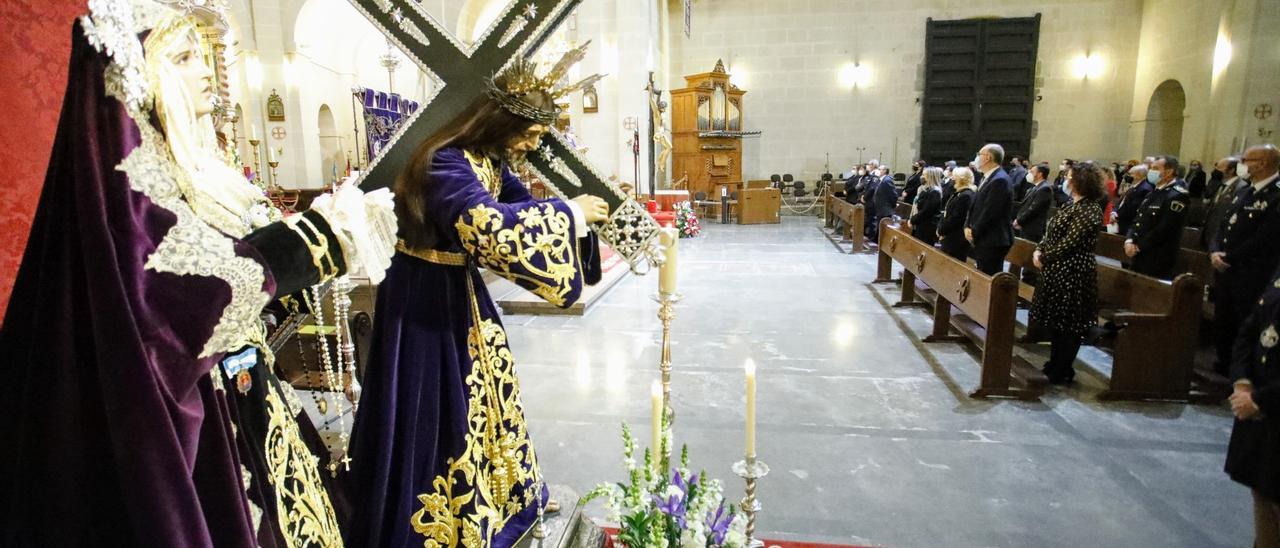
35,38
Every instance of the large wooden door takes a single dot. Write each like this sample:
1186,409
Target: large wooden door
979,87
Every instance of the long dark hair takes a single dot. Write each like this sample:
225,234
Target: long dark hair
485,127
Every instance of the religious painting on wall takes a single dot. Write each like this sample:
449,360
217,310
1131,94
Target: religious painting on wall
275,107
590,101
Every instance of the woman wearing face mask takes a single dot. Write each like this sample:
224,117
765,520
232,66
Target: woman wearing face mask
139,400
1065,300
951,229
442,452
927,210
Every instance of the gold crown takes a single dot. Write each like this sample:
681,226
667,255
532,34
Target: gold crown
521,78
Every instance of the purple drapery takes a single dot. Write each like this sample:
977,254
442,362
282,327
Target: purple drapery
383,116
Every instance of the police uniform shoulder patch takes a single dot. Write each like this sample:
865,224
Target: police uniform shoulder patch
1177,206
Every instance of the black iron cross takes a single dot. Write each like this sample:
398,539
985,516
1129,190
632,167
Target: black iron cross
464,71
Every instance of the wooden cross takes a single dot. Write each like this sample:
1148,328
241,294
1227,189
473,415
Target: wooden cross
464,72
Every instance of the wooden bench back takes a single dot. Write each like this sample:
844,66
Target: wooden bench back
959,283
1119,287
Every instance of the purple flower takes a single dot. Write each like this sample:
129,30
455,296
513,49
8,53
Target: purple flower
718,525
672,506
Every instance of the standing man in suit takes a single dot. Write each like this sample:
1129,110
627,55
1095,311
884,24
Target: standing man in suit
1156,235
913,183
1131,203
883,201
1033,216
1021,184
1245,253
988,228
1218,204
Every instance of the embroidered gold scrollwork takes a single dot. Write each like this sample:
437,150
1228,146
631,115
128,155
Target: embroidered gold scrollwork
303,509
538,250
482,166
488,483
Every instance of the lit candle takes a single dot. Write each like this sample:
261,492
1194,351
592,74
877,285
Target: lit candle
667,274
751,409
656,398
253,132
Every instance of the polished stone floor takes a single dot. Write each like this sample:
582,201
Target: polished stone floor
868,432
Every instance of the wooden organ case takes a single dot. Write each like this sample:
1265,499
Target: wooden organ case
706,127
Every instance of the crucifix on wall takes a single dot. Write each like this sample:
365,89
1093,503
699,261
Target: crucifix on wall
465,71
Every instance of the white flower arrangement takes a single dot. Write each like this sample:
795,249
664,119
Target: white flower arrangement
676,510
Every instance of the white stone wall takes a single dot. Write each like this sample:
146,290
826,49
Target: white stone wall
787,56
625,44
1179,41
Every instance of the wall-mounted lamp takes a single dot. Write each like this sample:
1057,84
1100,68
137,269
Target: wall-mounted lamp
1088,66
854,75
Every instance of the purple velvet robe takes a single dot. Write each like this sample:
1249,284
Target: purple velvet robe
116,428
440,446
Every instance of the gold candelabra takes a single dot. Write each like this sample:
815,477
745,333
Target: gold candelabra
274,164
666,312
257,164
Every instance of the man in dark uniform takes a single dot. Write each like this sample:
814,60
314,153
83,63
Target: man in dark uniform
988,227
1131,203
1253,456
1154,239
1245,253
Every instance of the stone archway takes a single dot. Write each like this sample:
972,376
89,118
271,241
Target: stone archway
1165,114
331,158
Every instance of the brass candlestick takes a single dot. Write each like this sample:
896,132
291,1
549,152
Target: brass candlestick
666,313
274,164
751,470
257,165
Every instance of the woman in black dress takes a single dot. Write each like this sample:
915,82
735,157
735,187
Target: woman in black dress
951,229
927,211
1253,458
1065,301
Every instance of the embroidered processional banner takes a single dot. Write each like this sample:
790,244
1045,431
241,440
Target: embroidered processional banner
384,116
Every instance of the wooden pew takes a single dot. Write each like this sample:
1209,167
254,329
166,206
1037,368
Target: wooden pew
852,216
987,305
903,210
1154,350
1191,260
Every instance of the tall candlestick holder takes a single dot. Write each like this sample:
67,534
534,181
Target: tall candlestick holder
666,312
274,164
751,469
257,163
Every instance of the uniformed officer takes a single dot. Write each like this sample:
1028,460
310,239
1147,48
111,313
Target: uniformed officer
1245,253
1156,234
